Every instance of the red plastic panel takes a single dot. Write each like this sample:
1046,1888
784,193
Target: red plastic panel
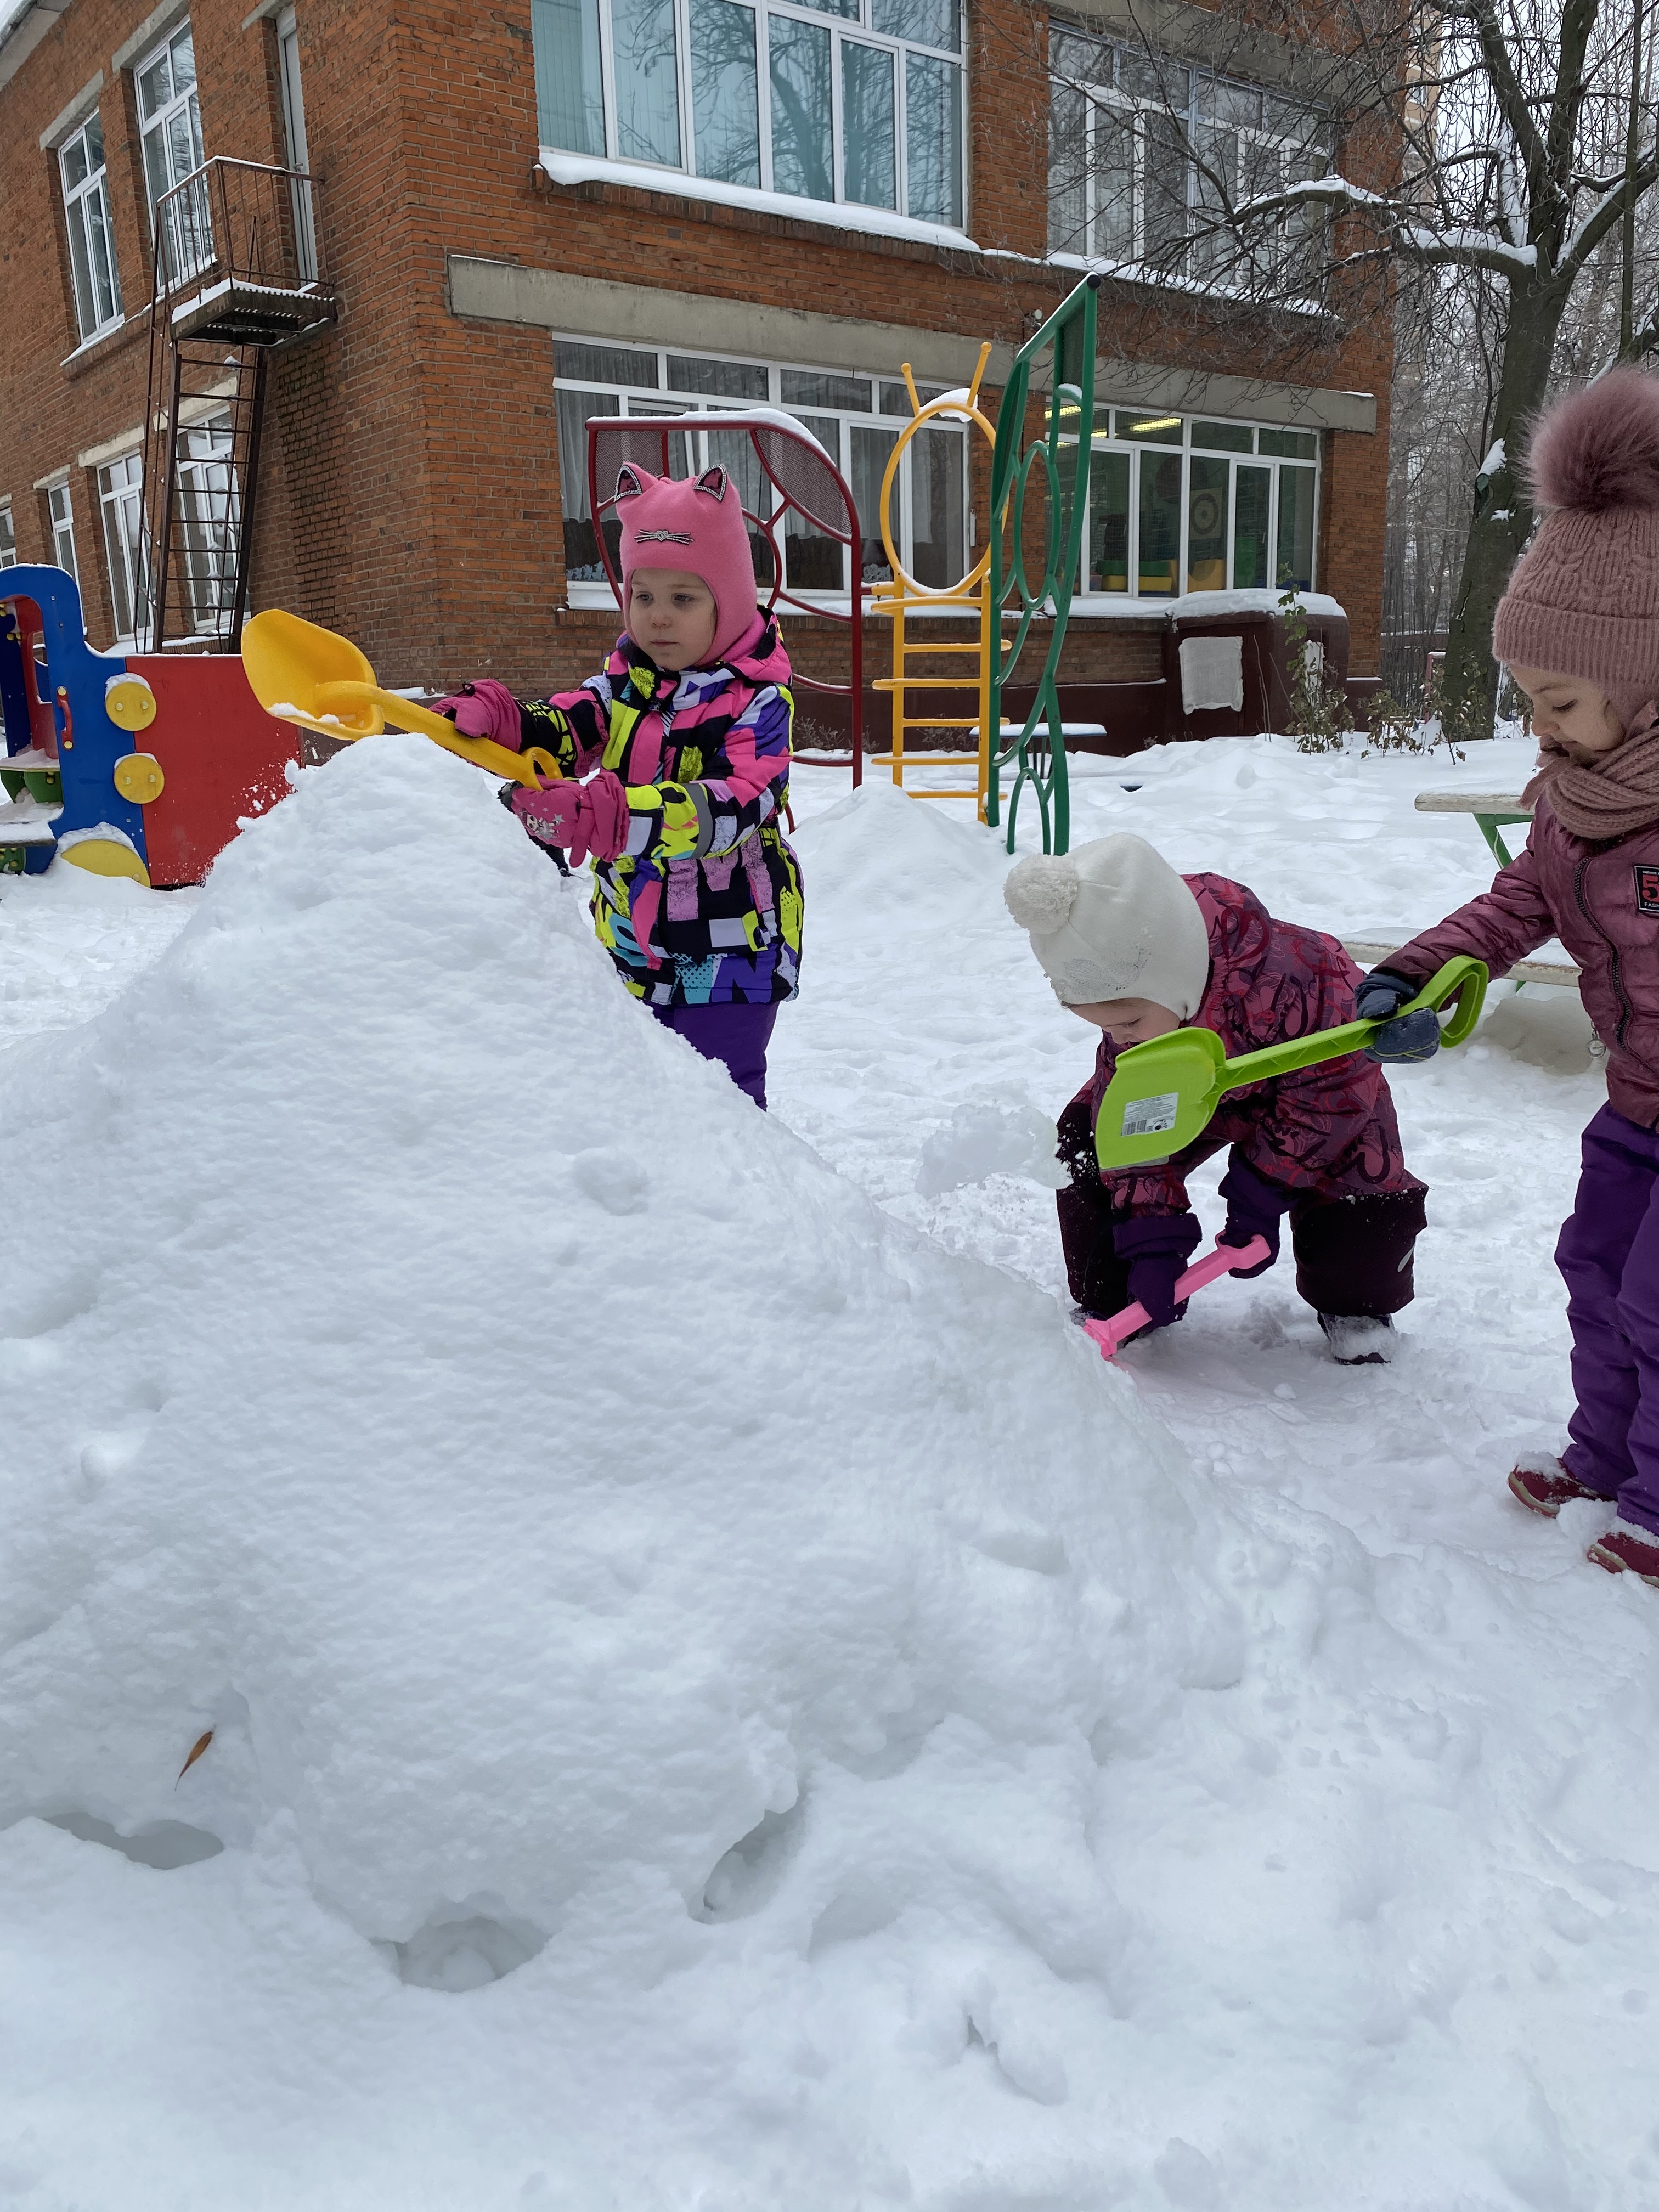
43,723
223,755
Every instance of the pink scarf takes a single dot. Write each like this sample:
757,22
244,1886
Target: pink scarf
1606,798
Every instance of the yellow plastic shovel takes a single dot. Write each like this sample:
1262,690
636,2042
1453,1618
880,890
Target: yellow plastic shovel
301,673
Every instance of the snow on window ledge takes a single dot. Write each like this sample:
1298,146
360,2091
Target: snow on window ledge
839,215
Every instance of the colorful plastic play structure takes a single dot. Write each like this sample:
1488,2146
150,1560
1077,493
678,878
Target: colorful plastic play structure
126,764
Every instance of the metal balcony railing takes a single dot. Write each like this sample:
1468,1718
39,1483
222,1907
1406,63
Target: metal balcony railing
236,274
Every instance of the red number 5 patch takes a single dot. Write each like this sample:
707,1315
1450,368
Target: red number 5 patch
1647,888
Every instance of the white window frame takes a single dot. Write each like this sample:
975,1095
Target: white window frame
181,260
208,505
8,537
856,28
60,508
294,133
87,217
1142,110
1106,439
120,502
658,402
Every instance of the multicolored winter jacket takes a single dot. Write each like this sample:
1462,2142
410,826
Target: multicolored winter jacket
703,906
1326,1132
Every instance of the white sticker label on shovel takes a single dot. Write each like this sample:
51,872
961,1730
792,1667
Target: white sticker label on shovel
1151,1117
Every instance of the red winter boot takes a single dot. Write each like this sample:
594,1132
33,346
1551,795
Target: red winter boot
1543,1484
1624,1545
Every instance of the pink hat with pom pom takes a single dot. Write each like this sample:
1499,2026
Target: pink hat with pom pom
1584,597
695,524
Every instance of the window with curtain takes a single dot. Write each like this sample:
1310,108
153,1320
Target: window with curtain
91,234
852,416
1144,153
859,101
8,537
1178,504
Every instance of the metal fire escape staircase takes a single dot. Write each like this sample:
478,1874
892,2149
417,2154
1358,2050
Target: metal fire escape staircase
235,276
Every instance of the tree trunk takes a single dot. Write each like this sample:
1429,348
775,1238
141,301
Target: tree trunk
1503,515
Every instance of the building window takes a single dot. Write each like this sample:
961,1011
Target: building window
91,235
170,121
120,496
294,133
209,521
63,528
1179,506
1142,150
854,101
8,537
856,419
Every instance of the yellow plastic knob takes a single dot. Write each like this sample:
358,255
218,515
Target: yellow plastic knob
138,777
130,703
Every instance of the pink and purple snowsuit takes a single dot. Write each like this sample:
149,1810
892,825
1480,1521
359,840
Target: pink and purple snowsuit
1328,1134
1601,900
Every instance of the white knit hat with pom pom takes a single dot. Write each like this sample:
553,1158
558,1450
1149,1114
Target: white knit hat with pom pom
1112,920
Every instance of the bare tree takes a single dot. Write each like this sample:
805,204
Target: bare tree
1497,154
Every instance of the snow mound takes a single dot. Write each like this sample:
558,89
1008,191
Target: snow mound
571,1503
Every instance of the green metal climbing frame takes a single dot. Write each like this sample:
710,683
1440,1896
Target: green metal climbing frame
1047,430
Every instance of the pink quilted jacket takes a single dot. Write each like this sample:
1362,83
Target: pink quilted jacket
1602,901
1329,1130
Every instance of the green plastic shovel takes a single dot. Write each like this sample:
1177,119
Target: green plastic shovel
1163,1093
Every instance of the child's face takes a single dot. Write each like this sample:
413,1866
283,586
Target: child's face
1570,713
672,615
1127,1021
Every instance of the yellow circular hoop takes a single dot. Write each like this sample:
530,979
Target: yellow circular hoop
963,409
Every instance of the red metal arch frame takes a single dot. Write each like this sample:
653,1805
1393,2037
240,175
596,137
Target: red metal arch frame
803,479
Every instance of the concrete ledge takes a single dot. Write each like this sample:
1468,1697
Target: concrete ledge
1190,392
66,119
24,34
634,314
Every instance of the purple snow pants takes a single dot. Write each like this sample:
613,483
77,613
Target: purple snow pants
736,1035
1608,1255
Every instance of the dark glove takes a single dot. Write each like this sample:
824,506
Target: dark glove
1157,1246
1399,1043
1253,1209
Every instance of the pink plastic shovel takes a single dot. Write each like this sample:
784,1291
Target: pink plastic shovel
1109,1334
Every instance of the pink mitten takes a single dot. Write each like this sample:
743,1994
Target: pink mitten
588,818
484,709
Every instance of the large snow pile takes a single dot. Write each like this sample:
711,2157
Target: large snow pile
609,1554
717,1704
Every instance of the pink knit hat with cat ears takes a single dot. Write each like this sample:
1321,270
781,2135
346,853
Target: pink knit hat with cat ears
693,522
1584,597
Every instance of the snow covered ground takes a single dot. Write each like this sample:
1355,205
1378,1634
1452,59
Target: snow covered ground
720,1699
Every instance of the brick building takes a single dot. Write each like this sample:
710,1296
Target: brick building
549,209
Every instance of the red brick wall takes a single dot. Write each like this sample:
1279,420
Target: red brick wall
410,493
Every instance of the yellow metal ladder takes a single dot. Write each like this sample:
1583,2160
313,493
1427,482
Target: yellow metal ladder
904,601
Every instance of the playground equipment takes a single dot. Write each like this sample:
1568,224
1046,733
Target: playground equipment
1162,1094
78,782
787,483
1111,1334
1050,442
301,673
902,599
